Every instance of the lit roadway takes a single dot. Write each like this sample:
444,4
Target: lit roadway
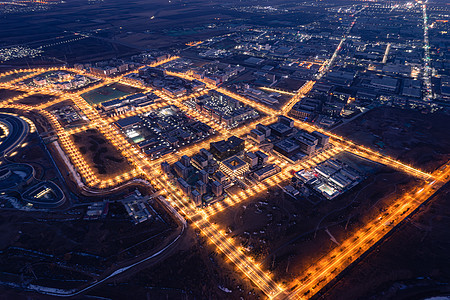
150,170
15,129
325,270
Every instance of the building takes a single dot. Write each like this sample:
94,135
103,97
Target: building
165,167
257,136
224,149
251,159
286,147
206,154
186,160
385,83
234,167
306,142
200,186
324,140
217,188
220,177
199,161
262,157
286,121
203,176
181,170
280,129
196,197
184,186
129,123
266,172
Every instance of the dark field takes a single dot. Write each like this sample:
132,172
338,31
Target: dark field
13,76
65,251
288,235
412,264
106,160
8,94
195,271
422,140
36,99
116,28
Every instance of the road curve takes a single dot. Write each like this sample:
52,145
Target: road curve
18,129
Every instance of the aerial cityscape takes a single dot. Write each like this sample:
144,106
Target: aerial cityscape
174,149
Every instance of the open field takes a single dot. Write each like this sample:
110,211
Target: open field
195,271
35,99
63,250
8,94
99,153
421,140
287,235
411,264
108,92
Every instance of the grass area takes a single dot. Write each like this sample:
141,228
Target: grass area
109,92
99,153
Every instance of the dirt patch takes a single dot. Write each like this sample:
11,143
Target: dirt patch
288,235
36,99
101,154
8,94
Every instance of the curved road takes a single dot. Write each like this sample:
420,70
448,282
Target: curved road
18,130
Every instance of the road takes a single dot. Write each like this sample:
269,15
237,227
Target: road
15,129
148,169
325,270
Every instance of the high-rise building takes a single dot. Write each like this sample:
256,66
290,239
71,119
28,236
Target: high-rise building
286,121
217,188
224,149
264,129
200,186
324,139
220,177
196,197
206,154
186,160
181,169
251,159
165,167
257,135
203,176
184,186
262,157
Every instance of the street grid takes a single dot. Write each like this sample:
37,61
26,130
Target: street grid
315,277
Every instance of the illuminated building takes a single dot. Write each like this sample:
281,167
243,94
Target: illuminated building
234,167
224,149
